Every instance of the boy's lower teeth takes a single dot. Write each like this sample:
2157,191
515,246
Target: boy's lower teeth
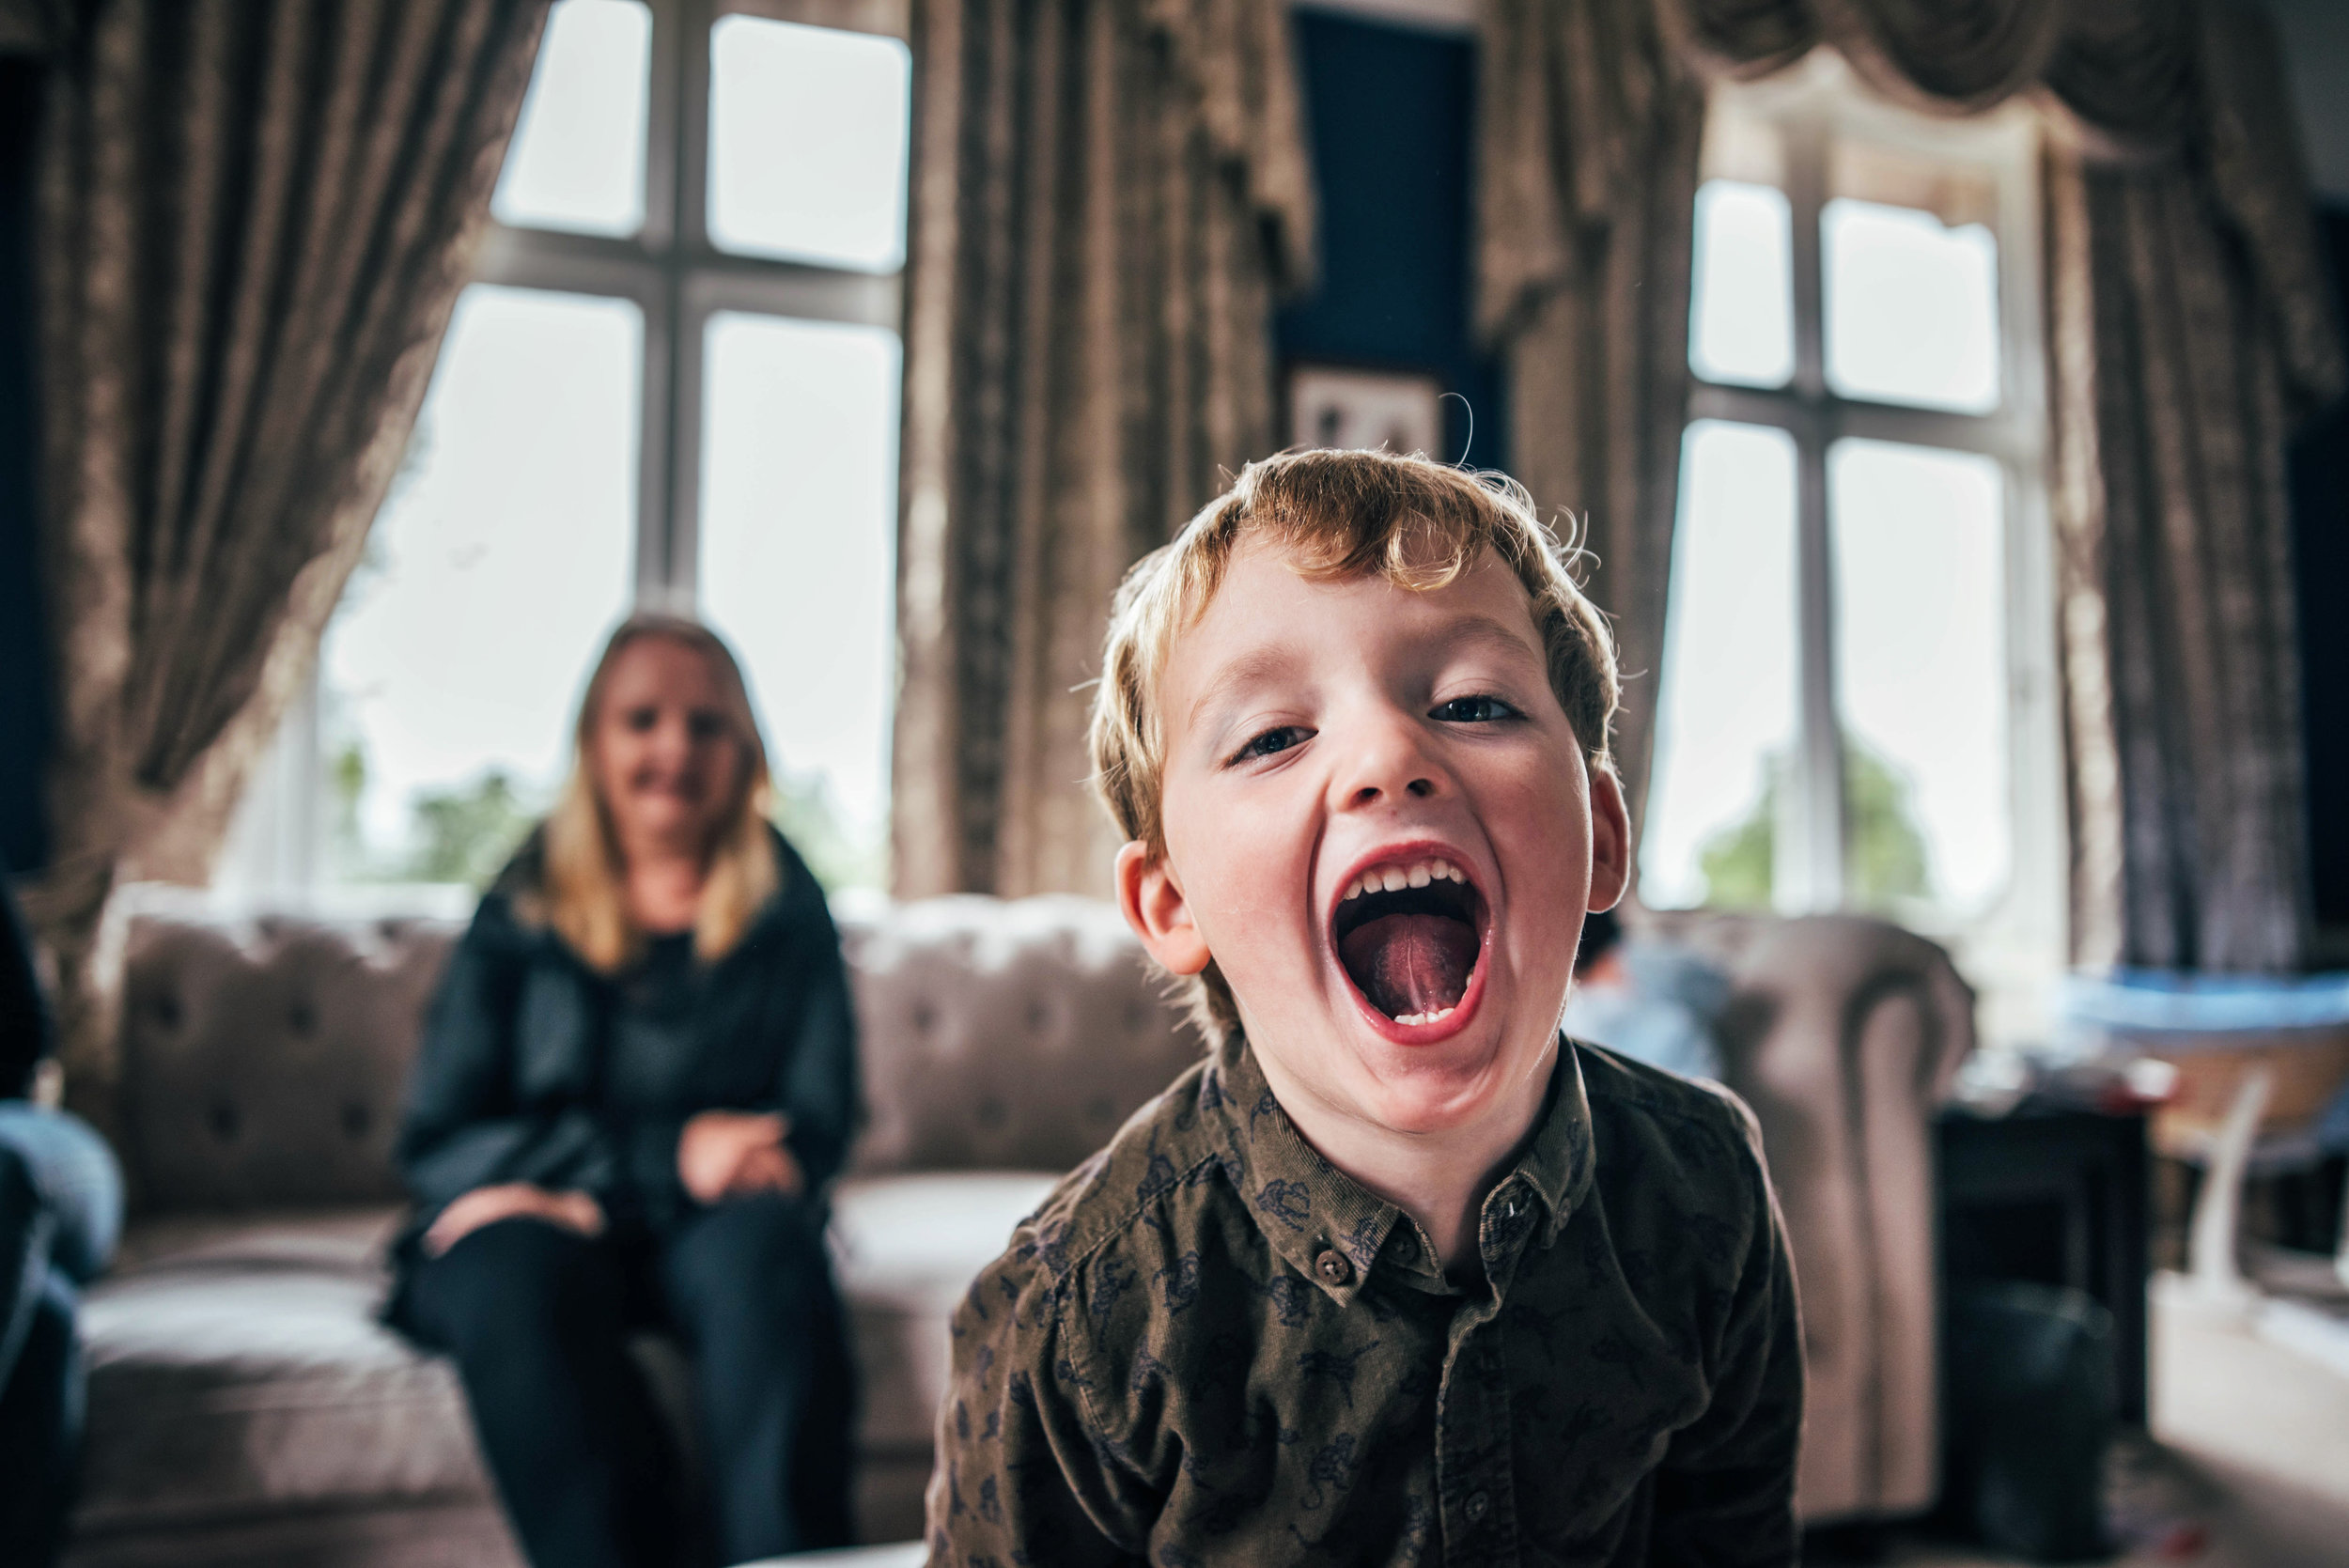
1436,1016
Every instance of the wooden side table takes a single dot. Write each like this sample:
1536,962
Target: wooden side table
2059,1196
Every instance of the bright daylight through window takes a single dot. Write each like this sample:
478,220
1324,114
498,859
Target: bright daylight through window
675,384
1854,712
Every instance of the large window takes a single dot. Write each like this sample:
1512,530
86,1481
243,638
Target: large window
1856,705
674,384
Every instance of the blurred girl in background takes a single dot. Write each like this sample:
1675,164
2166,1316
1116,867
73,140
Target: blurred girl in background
636,1081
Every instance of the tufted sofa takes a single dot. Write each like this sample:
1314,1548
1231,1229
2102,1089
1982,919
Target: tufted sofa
246,1407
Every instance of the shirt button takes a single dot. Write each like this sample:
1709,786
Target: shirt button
1334,1267
1477,1503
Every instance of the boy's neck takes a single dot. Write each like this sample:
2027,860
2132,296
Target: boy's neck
1439,1179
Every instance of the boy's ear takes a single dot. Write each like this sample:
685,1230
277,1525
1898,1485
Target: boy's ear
1154,908
1611,839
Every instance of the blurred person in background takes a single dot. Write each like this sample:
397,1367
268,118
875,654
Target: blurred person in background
1656,1001
60,1213
636,1081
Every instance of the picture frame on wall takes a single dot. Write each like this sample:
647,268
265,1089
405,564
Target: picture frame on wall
1350,409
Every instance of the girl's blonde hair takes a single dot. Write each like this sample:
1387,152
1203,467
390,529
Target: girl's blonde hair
584,895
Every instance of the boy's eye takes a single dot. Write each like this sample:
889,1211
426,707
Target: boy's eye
1271,742
1473,711
640,718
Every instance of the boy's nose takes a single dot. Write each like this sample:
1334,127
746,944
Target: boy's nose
1388,765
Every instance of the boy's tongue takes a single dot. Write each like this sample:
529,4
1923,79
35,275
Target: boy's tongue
1409,964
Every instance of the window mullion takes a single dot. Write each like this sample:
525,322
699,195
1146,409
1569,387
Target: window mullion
1810,811
691,173
1816,797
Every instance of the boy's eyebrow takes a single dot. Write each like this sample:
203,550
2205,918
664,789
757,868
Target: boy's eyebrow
1264,662
1485,629
1254,665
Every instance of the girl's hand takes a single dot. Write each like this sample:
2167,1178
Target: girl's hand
730,1154
487,1206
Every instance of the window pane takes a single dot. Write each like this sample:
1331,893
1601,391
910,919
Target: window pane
1912,307
1921,674
578,157
798,551
807,143
504,554
1725,719
1741,320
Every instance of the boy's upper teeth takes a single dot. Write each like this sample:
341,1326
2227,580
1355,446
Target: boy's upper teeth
1395,879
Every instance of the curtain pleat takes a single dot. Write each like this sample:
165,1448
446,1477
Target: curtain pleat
1107,199
2189,331
2201,343
1590,132
257,219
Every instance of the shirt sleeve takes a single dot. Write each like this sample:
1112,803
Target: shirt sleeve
1025,1473
462,1127
1725,1494
819,1089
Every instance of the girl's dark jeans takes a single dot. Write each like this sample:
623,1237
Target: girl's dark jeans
60,1213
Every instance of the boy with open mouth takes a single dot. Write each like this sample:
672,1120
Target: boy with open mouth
1399,1274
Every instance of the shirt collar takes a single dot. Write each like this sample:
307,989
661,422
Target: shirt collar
1334,1230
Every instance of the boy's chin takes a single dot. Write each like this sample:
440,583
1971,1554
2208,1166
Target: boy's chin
1438,1088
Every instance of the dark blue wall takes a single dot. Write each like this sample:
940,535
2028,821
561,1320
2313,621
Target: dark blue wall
1391,115
23,655
2320,517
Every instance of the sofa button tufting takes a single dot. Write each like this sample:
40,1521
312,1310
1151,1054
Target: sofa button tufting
1333,1266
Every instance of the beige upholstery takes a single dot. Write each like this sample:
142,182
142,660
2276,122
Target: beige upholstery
1005,1036
245,1406
1844,1036
264,1061
239,1377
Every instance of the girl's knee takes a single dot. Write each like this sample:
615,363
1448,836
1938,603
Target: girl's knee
515,1280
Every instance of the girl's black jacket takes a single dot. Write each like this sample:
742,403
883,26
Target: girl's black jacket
509,1082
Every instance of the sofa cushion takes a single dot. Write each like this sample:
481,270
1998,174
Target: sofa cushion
241,1371
264,1059
237,1368
1006,1035
907,1249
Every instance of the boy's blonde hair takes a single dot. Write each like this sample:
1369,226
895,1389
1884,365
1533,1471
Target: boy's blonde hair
1418,523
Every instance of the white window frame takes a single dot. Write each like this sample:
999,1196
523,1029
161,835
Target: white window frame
674,276
2017,943
678,279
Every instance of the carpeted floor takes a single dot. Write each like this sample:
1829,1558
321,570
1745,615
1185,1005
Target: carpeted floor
2249,1462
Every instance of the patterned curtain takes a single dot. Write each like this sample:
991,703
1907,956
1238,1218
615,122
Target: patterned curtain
2189,331
2190,335
1587,179
1108,196
256,219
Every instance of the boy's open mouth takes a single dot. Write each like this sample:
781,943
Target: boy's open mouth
1409,932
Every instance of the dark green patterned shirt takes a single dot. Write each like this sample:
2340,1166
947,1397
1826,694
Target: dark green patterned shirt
1211,1346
